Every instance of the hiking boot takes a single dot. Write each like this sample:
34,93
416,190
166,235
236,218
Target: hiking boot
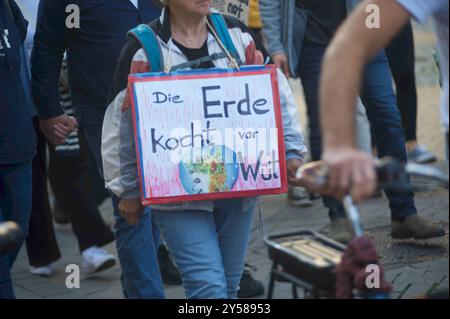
169,272
250,287
297,196
416,227
341,231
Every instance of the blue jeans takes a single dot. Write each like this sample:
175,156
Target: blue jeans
137,247
15,205
379,99
136,244
210,248
380,102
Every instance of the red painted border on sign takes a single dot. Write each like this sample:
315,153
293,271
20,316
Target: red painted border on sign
136,142
219,195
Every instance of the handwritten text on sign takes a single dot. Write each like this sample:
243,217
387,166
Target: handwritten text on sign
208,135
237,8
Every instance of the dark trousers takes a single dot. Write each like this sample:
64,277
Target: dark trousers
65,174
41,244
379,100
401,59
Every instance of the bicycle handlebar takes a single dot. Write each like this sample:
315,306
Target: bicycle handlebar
391,174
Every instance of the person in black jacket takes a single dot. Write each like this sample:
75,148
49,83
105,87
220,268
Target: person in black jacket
93,50
17,136
64,167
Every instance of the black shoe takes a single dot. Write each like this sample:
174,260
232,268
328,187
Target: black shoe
169,272
59,216
250,287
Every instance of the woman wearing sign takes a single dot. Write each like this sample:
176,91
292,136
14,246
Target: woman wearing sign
208,239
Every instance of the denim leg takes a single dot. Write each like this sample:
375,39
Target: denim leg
210,248
6,284
234,219
15,205
193,242
15,196
137,251
309,71
136,244
379,98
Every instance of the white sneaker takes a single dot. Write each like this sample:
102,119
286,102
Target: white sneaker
44,271
97,259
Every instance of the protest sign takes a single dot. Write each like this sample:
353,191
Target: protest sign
208,134
236,8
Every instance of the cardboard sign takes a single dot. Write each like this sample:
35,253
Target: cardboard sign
208,134
236,8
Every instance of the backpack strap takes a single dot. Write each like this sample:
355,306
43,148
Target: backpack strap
148,40
197,62
222,31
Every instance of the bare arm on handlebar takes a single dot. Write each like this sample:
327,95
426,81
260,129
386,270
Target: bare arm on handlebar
351,171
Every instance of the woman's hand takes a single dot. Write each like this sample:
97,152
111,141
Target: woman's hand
131,210
292,166
281,60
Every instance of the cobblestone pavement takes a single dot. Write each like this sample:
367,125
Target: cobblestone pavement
414,268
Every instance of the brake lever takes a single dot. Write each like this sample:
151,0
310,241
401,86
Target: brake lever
394,175
429,172
391,174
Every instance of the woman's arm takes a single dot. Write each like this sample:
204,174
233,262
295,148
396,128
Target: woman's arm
270,11
118,149
120,169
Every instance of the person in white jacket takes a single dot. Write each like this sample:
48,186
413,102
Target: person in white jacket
208,239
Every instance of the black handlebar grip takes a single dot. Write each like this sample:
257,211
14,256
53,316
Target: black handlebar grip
11,236
389,169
